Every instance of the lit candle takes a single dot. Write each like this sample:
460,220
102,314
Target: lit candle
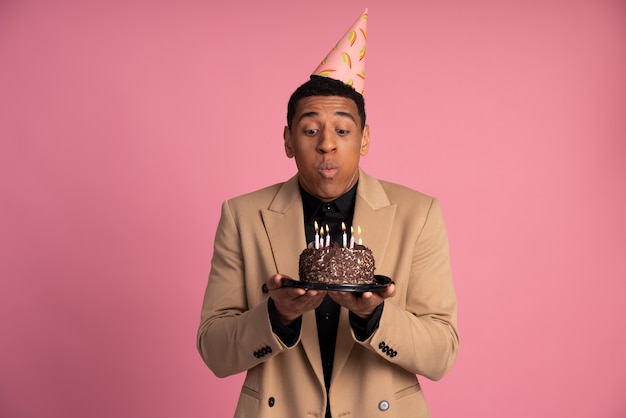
358,230
351,237
317,236
327,236
321,241
345,237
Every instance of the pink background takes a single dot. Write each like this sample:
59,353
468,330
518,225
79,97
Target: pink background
124,125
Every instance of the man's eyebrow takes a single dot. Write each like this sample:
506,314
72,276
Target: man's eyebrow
307,115
346,114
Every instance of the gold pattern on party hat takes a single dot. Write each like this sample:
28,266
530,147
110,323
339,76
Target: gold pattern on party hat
346,61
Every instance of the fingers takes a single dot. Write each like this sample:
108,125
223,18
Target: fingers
388,292
309,301
290,306
291,302
362,304
274,282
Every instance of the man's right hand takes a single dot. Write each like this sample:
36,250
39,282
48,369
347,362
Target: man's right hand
291,302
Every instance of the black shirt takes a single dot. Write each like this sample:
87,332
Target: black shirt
330,214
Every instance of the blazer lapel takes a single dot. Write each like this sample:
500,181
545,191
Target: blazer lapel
311,344
284,225
374,213
343,344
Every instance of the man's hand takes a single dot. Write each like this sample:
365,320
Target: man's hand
291,302
362,304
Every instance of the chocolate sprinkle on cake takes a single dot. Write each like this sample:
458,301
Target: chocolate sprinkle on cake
337,265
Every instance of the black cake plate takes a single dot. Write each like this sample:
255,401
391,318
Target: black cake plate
381,284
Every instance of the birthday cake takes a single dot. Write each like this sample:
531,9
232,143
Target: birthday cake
337,265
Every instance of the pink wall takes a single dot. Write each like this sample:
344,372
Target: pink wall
123,125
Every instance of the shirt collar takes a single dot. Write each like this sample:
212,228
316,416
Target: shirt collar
313,207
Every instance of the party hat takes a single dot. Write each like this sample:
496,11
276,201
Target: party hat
346,61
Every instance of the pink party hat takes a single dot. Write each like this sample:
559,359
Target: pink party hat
346,61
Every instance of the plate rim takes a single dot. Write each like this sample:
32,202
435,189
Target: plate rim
344,287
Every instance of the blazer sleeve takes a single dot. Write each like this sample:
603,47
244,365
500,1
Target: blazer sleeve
233,335
418,327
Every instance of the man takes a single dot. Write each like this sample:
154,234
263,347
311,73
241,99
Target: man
318,353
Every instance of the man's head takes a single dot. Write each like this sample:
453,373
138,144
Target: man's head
327,135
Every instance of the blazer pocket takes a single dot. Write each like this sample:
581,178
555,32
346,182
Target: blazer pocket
252,393
408,391
248,405
412,399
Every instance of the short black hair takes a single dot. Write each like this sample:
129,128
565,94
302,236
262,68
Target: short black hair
325,86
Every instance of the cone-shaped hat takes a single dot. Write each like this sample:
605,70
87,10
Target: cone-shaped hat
346,61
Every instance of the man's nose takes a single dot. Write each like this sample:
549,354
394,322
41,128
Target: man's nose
327,142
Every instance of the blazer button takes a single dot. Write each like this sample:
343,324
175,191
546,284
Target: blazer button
382,345
383,405
271,401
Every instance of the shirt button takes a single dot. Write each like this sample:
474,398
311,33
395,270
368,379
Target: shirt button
327,316
270,401
383,405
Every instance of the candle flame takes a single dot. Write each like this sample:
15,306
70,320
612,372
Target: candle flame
327,228
316,226
358,229
343,227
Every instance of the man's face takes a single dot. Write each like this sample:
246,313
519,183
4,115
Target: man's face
327,142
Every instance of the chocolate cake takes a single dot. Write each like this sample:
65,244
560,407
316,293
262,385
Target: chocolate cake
337,265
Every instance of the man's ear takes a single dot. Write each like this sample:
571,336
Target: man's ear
287,138
365,141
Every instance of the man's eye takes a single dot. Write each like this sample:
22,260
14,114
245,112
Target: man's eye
310,131
342,132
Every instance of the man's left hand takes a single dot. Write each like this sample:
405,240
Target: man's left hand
362,304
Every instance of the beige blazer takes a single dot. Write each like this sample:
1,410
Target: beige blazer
261,234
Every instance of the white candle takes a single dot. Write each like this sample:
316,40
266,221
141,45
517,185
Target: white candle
351,237
327,236
345,236
321,242
317,236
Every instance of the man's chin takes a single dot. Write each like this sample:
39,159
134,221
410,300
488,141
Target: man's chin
330,193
